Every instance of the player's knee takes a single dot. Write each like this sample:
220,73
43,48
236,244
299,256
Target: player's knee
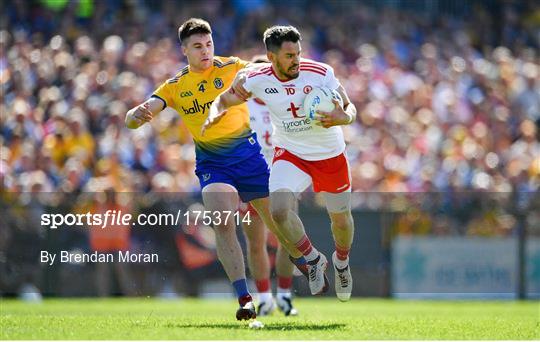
220,207
219,197
224,229
279,215
342,221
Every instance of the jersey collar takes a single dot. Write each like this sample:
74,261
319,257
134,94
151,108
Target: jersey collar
279,79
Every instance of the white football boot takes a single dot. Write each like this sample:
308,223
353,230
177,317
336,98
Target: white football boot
343,280
318,282
266,308
284,303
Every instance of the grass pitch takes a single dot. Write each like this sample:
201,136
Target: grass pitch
319,319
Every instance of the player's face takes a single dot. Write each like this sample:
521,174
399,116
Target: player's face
286,61
199,50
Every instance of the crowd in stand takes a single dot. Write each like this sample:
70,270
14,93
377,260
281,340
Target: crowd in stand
447,102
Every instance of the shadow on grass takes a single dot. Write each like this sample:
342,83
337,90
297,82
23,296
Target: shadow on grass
270,326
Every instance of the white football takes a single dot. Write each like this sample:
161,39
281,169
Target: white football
320,99
256,324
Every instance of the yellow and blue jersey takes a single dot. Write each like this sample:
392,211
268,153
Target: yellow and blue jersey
191,94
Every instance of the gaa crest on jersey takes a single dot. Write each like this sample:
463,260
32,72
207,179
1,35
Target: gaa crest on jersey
218,83
308,89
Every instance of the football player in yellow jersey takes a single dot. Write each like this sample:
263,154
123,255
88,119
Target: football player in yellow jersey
229,163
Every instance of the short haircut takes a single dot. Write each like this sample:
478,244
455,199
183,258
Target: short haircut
193,26
276,35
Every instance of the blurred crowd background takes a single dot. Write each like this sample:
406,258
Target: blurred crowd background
448,98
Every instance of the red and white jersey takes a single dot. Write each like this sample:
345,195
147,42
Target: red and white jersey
259,120
293,130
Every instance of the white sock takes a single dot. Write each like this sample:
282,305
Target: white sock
341,264
265,297
281,292
312,255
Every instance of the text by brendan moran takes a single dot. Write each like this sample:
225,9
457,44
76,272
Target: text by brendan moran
97,257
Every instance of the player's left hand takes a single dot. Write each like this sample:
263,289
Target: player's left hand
237,86
334,118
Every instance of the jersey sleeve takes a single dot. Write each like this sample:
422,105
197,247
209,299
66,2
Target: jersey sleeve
164,93
250,83
330,80
240,63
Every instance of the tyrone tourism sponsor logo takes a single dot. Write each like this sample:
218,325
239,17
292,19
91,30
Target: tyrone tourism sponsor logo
296,126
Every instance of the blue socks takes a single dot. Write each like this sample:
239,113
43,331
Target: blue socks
300,261
240,287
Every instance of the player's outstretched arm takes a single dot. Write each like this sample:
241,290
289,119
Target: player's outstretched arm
143,113
219,107
345,115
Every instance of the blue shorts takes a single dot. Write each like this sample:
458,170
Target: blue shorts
249,177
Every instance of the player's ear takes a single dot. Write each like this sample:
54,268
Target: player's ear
271,56
184,50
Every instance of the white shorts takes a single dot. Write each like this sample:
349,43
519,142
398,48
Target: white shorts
286,175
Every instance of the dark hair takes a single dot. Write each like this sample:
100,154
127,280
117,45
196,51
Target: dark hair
276,35
259,59
193,26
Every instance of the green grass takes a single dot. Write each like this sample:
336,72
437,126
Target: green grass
320,319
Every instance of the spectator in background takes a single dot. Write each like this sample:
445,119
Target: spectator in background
111,239
448,98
